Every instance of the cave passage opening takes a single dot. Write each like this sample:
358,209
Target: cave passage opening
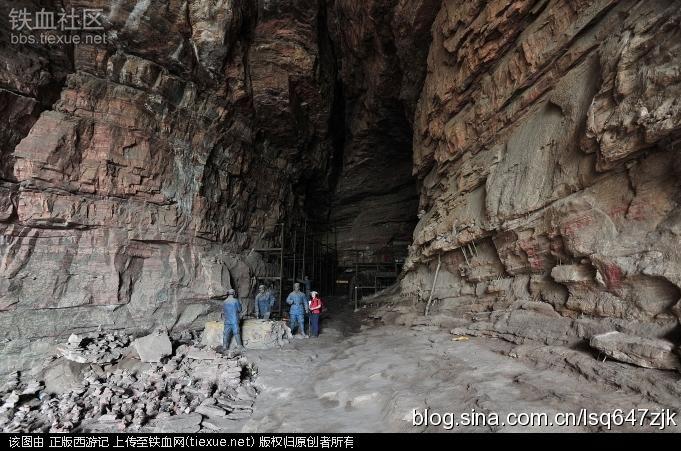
367,211
348,140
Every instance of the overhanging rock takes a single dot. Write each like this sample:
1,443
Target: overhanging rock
645,352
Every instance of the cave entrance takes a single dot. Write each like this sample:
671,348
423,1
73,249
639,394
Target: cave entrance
368,209
359,204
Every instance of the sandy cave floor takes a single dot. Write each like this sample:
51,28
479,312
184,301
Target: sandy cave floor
364,378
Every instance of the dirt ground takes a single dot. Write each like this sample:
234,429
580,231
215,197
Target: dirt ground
359,377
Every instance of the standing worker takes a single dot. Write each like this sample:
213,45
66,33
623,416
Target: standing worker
298,302
232,314
264,301
316,307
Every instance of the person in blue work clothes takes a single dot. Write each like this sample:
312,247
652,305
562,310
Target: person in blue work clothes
232,314
299,307
264,301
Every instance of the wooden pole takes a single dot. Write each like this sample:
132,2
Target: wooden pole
432,290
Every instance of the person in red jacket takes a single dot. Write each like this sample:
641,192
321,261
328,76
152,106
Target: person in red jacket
316,307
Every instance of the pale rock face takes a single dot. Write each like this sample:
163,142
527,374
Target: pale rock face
546,145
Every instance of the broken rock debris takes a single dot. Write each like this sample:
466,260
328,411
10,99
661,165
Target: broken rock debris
192,389
99,347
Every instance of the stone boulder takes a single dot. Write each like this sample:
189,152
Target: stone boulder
153,347
256,334
62,375
263,334
644,352
212,334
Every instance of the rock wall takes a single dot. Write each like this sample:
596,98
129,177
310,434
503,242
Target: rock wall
546,145
538,140
136,175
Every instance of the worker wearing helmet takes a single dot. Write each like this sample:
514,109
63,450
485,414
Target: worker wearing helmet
316,308
232,317
264,301
299,307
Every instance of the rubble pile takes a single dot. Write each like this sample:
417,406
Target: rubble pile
186,336
194,389
98,347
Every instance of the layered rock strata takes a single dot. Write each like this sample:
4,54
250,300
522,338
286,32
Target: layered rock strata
546,143
137,175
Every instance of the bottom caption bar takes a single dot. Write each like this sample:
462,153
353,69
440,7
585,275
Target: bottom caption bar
206,441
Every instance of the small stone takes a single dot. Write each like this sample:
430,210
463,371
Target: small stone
32,388
72,354
218,423
202,354
75,340
211,411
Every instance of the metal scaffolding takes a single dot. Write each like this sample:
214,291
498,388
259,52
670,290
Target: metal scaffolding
371,276
297,252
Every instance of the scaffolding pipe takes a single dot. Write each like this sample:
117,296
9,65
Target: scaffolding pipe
376,280
356,278
281,270
313,259
295,249
304,249
330,275
318,260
